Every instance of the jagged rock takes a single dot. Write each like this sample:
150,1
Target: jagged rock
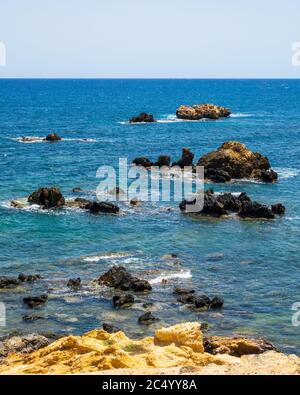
142,161
110,328
278,209
32,318
163,160
183,291
255,210
123,300
186,159
8,282
74,282
211,205
147,318
200,111
217,175
35,301
236,346
143,117
186,298
238,162
117,277
23,344
103,207
29,278
53,137
216,302
201,301
47,198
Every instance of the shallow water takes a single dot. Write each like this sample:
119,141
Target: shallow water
254,265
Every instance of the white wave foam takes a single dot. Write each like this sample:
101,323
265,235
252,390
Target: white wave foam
241,115
184,274
97,258
285,173
36,139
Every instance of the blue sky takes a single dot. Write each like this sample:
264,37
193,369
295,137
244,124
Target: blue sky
149,38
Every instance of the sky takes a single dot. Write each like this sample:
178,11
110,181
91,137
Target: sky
149,38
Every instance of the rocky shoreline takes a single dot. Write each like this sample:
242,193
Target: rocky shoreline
180,349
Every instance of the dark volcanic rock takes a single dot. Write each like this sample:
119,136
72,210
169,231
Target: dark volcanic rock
29,278
103,207
74,282
9,282
143,161
183,291
35,301
53,137
217,175
186,298
186,159
24,344
163,160
110,328
278,209
201,301
118,277
200,111
238,162
211,207
47,197
147,318
216,302
123,300
255,210
143,117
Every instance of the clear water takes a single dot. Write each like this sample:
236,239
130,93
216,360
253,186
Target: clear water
254,265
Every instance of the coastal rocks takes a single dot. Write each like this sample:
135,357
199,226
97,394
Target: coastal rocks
189,297
53,137
147,318
217,302
217,175
278,209
143,118
186,159
29,278
211,205
255,210
8,282
35,301
47,198
201,111
238,162
103,207
183,291
123,300
117,277
163,160
110,328
236,346
74,282
142,161
23,344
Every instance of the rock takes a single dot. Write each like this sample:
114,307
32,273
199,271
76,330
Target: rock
163,160
47,198
117,277
216,302
81,203
53,137
201,301
186,159
22,344
147,318
200,111
217,175
123,300
236,346
143,161
103,207
255,210
278,209
232,202
110,328
135,202
8,282
31,318
29,278
77,190
74,282
237,161
183,291
211,205
143,117
148,305
35,301
186,298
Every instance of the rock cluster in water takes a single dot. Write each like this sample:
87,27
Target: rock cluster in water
189,297
217,205
202,111
10,282
143,117
118,277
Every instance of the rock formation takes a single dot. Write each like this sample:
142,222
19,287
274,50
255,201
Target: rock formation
143,117
53,137
117,277
201,111
47,198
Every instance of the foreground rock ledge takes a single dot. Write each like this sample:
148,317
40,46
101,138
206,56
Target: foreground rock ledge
178,349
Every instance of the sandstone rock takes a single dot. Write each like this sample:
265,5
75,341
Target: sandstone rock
238,162
118,277
143,117
35,301
47,198
278,209
53,137
200,111
147,318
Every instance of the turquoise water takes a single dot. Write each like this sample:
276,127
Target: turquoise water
254,265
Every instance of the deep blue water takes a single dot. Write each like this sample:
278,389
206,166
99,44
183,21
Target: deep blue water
254,265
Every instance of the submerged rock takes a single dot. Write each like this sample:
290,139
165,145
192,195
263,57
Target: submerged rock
74,282
237,161
47,198
53,137
32,318
123,300
143,117
147,318
35,301
117,277
183,291
29,278
9,282
200,111
217,302
201,301
103,207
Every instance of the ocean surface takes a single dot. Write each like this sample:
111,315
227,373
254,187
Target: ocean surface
254,265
